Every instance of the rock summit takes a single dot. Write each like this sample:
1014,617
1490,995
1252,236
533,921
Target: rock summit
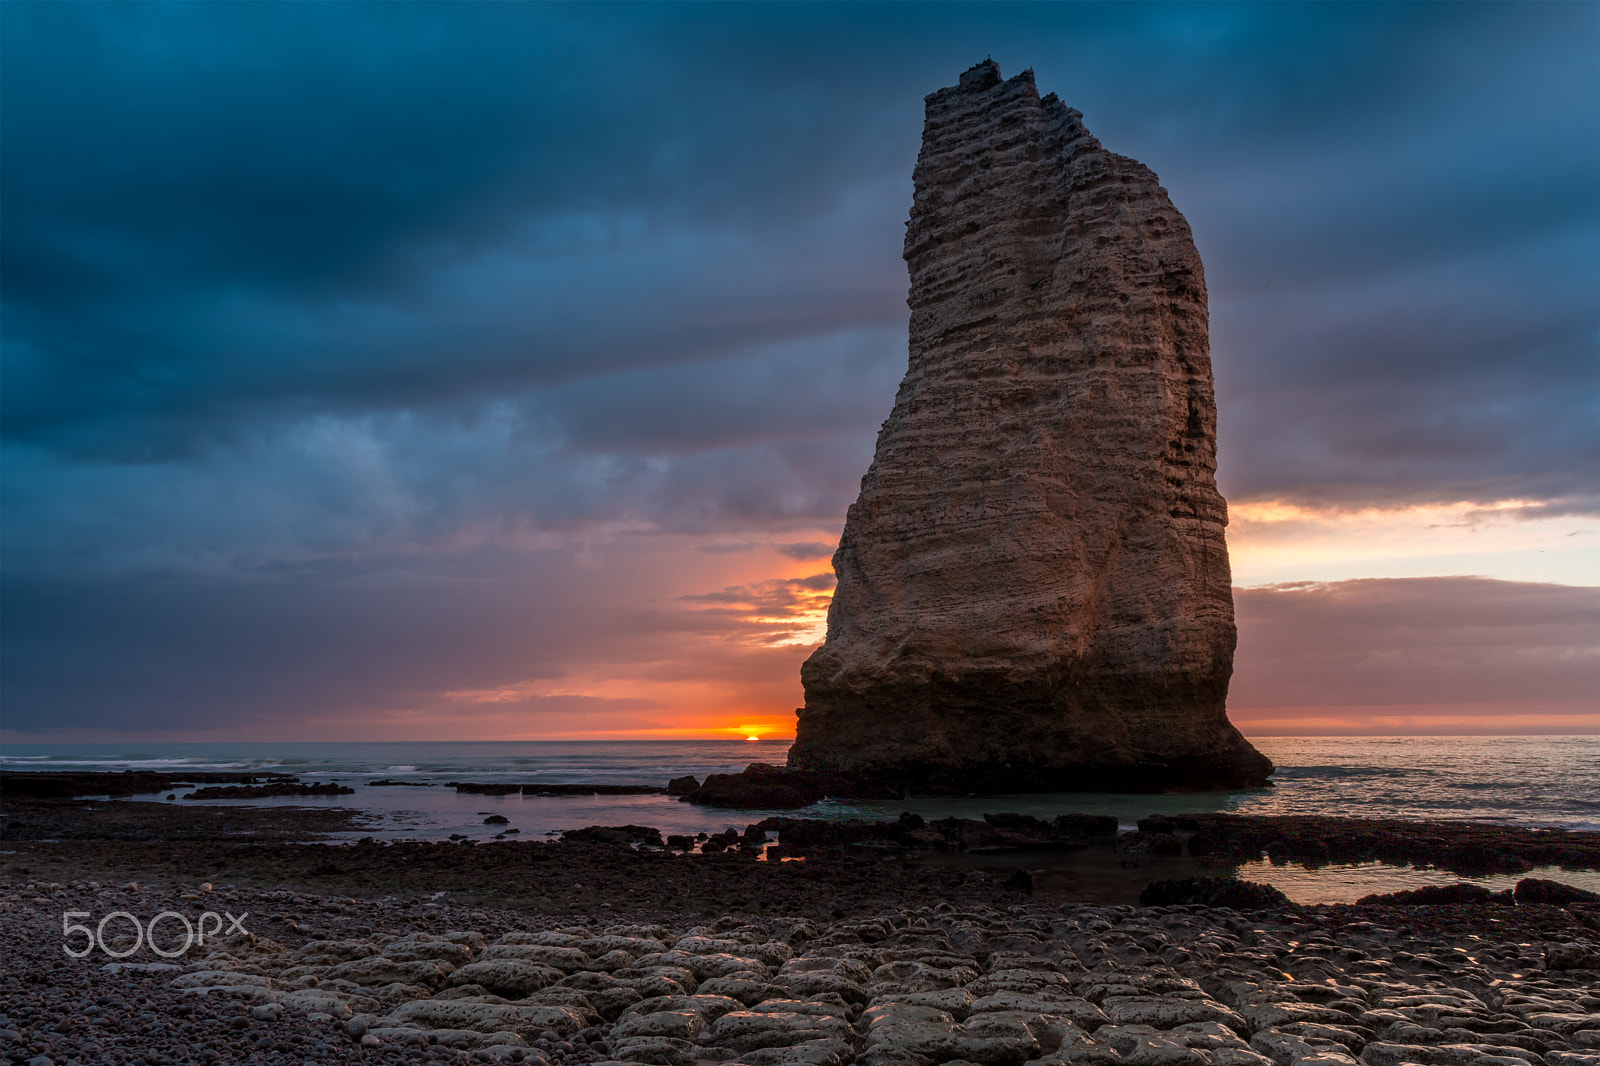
1034,591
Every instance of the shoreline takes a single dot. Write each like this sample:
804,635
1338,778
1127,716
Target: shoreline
319,848
579,951
1487,780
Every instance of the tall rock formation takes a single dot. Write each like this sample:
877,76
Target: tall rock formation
1034,590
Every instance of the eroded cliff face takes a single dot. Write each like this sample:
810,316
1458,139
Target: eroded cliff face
1034,589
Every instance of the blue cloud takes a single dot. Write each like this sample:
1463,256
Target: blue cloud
290,287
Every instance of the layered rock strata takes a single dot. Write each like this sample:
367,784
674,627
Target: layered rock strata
1034,591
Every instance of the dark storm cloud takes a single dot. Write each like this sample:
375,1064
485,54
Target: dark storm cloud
214,213
290,287
222,213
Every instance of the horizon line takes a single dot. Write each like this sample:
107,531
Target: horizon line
738,740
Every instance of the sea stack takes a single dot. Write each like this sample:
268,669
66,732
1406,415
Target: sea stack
1034,592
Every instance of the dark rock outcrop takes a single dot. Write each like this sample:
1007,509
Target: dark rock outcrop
615,834
761,786
1214,892
43,784
1436,895
292,788
1141,842
1034,591
1538,890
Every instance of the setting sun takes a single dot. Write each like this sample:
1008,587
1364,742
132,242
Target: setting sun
752,738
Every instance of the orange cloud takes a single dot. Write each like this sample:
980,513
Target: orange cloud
1275,540
781,611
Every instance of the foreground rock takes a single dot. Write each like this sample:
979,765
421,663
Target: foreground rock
773,788
921,985
1214,892
1034,588
100,823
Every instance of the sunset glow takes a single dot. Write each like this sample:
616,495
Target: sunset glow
1520,540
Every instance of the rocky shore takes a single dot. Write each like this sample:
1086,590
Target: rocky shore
140,820
596,949
327,978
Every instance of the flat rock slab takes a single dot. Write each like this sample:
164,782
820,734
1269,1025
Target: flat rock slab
526,1021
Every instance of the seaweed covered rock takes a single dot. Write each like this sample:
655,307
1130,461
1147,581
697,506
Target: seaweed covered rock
1214,892
1435,895
1538,890
616,834
761,786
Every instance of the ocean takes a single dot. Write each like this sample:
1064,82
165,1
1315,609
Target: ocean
1530,781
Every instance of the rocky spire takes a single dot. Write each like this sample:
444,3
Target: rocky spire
1033,585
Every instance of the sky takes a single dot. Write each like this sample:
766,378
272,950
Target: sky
470,371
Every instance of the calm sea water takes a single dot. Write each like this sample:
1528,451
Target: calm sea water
1511,780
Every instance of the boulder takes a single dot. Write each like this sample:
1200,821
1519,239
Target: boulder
1538,890
823,1052
761,786
1142,842
1213,892
616,834
1167,1012
1571,957
1433,895
567,960
485,1017
752,1030
507,977
378,971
